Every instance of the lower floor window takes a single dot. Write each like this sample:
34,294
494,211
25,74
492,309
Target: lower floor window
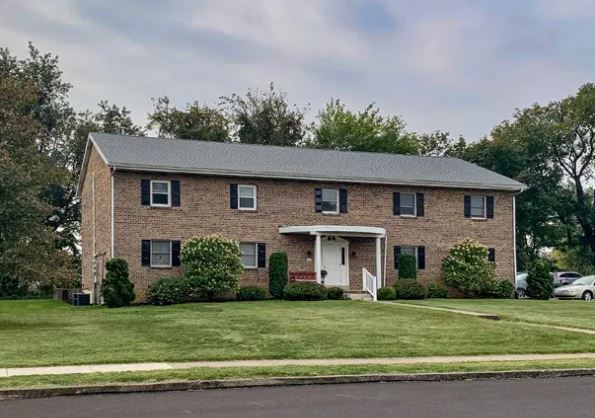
160,253
249,254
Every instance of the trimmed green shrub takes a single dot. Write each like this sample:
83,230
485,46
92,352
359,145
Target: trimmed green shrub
386,293
467,268
167,291
437,291
305,291
407,267
540,284
335,293
409,289
212,265
497,289
251,293
278,274
116,289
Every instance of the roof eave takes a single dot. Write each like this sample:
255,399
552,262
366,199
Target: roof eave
238,173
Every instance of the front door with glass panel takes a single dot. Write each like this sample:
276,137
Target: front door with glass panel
335,261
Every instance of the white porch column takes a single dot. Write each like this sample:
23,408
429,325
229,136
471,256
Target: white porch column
378,262
318,258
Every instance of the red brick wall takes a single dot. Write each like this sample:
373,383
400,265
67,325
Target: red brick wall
205,210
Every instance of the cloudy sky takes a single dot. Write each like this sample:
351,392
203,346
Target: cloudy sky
457,65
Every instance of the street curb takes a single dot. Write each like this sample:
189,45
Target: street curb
284,381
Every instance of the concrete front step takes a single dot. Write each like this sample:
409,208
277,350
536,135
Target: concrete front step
358,295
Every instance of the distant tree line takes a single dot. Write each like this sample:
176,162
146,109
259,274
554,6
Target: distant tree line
548,147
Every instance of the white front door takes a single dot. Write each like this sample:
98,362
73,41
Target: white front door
335,261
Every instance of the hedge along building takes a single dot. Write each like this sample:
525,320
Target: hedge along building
346,214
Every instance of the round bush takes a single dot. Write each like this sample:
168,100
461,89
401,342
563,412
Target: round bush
504,290
251,293
386,293
436,290
467,268
167,291
540,284
335,293
305,291
407,267
278,274
212,265
116,289
409,289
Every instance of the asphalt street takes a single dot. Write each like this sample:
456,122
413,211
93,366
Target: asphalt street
543,398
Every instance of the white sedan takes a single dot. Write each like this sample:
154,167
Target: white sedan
583,288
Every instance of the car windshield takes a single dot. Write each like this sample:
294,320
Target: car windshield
587,280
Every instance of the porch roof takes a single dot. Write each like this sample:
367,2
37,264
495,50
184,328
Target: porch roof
345,230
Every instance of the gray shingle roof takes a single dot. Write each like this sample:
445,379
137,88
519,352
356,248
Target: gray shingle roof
233,159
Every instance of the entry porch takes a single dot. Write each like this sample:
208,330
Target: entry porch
347,256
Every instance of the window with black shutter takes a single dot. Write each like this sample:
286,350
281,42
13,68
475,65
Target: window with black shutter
421,257
145,192
490,207
420,204
318,200
233,196
262,254
145,252
175,193
397,255
343,200
492,255
175,253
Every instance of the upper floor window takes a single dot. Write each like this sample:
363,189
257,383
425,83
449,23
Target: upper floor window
478,206
249,252
246,197
330,200
161,253
408,206
160,193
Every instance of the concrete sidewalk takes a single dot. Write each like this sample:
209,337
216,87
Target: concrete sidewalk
139,367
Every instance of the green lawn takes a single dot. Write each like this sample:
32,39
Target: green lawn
50,333
570,313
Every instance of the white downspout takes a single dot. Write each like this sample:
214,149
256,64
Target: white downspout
514,235
94,235
378,261
385,253
112,212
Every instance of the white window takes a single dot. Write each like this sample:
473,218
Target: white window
246,197
478,206
160,253
249,254
409,251
330,201
408,204
160,193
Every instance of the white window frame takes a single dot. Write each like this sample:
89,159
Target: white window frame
330,212
484,216
414,205
170,254
414,251
168,194
255,245
247,186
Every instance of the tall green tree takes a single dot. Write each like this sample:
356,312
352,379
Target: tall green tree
265,117
341,129
194,122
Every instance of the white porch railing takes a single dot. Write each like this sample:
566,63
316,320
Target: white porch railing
369,284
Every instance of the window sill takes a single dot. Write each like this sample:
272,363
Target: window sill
408,216
330,213
479,219
247,210
250,268
161,267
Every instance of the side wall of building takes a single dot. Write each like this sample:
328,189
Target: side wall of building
205,209
95,224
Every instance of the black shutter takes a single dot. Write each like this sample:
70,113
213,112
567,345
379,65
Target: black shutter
318,200
467,206
420,204
397,255
421,257
490,207
343,200
175,193
145,258
233,196
262,255
491,255
145,192
175,253
396,203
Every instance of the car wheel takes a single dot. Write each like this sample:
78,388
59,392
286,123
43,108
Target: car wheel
520,293
587,295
